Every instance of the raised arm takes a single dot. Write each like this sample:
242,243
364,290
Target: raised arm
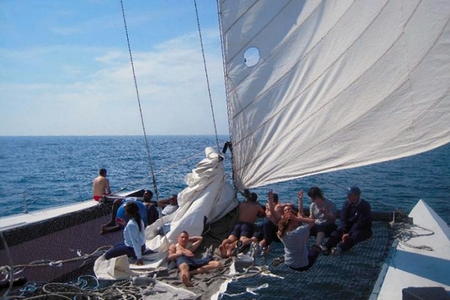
300,203
196,241
271,203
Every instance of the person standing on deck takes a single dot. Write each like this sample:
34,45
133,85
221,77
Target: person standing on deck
356,223
183,254
242,233
100,185
323,212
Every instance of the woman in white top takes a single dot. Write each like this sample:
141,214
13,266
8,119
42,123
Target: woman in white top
133,234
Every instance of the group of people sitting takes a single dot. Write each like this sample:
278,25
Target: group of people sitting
149,210
283,222
290,225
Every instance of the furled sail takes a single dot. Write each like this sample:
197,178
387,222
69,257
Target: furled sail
338,84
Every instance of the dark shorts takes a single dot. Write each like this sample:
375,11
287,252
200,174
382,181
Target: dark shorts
243,229
326,228
98,198
259,232
193,263
270,232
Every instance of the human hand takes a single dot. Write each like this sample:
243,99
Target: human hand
270,201
345,237
188,253
300,195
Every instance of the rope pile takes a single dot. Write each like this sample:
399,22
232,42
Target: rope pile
11,271
404,232
118,290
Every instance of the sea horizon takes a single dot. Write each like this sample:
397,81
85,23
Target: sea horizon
49,171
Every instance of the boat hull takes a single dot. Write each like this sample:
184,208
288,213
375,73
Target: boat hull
55,235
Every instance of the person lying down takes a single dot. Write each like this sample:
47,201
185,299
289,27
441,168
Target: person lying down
183,254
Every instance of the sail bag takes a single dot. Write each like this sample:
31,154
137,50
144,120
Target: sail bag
207,198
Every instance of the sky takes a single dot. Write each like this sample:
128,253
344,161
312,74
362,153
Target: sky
65,69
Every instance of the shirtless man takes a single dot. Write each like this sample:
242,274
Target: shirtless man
100,185
183,254
244,229
269,227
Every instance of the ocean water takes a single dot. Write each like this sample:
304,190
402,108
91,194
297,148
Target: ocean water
42,172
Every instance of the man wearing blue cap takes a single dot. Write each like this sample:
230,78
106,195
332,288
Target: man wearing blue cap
356,223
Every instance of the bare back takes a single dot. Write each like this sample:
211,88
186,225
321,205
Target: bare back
248,211
100,186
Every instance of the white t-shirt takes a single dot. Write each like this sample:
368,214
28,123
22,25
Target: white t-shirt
296,247
314,211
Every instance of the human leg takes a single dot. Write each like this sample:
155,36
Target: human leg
270,232
319,238
354,238
247,231
119,250
111,226
335,238
214,264
226,244
185,277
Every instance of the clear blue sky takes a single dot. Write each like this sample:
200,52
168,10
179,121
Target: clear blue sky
64,67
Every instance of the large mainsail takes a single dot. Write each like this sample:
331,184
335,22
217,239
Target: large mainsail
338,84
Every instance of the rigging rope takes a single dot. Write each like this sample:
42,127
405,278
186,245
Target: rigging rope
139,102
206,75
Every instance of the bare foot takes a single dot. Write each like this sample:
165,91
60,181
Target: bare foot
185,280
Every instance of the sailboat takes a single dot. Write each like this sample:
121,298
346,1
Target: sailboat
320,86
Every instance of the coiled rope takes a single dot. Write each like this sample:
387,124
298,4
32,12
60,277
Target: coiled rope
404,232
139,102
206,75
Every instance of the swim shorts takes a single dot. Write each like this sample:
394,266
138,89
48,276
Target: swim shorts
98,198
243,229
193,263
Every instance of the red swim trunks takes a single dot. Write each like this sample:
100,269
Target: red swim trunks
98,198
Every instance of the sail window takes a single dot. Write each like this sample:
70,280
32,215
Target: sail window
251,56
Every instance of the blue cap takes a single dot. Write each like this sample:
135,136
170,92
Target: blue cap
354,190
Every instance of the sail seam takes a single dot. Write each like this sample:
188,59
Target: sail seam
381,102
355,164
439,100
240,16
245,45
257,97
324,72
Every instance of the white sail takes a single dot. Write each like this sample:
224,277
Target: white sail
338,84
